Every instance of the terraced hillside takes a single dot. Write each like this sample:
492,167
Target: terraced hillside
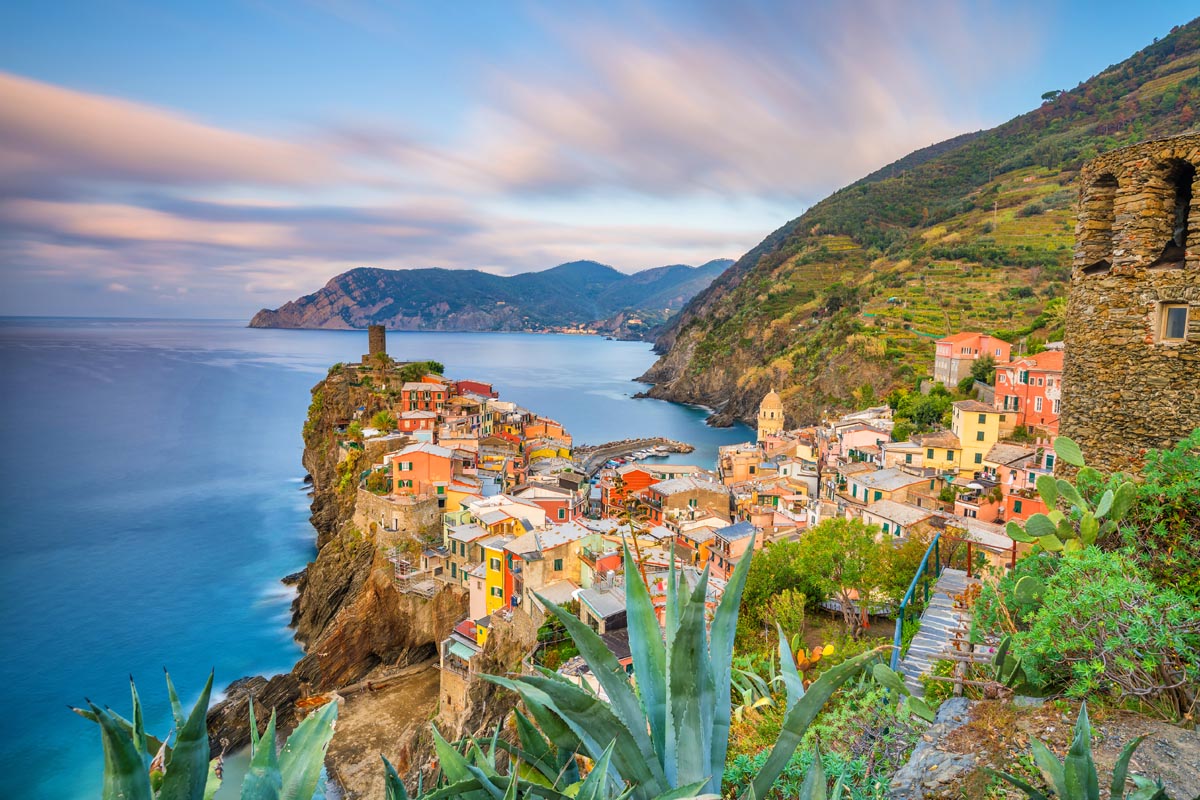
842,304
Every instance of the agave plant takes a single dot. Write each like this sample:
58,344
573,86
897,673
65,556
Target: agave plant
1075,777
1085,522
138,766
668,738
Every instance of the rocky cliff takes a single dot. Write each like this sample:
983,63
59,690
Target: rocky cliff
353,622
580,293
843,303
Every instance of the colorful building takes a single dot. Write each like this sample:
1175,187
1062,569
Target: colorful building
1029,390
421,469
955,355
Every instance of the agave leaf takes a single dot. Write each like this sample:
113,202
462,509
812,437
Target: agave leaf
649,653
566,743
1051,768
1121,769
187,772
1089,528
793,684
1039,525
213,784
125,775
593,722
1069,493
721,640
689,792
487,783
1079,770
1051,543
813,787
451,762
1002,650
1018,534
1068,451
1048,489
176,706
796,721
138,734
595,785
1147,789
1030,792
303,754
393,786
535,750
1122,501
691,695
609,672
152,742
254,729
263,780
1104,504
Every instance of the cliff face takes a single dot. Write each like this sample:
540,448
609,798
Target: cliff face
347,612
569,295
844,303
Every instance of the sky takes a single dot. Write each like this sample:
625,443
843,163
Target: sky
207,159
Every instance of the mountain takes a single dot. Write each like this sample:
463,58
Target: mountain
843,304
579,293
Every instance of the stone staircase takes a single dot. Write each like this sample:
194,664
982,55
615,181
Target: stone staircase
938,623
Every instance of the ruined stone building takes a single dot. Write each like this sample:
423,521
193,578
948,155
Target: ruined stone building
1131,378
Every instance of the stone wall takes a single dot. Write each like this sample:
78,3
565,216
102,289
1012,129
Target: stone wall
1125,388
390,520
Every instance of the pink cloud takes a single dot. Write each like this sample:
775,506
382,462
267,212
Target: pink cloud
48,130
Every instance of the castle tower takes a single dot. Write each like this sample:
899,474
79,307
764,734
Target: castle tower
1131,376
377,342
770,415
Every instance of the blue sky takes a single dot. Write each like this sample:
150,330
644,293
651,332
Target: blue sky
209,159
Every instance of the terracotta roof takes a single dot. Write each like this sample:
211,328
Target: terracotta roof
975,405
938,439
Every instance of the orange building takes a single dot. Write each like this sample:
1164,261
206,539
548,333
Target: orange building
421,469
955,354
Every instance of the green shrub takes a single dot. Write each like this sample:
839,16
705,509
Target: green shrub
1102,627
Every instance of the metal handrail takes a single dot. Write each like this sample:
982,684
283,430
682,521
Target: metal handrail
912,587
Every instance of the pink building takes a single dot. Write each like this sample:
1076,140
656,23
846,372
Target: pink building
1031,387
956,353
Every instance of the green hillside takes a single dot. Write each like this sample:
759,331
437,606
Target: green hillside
845,301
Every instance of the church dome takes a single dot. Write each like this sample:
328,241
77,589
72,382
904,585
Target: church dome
771,401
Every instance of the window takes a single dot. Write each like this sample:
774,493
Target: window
558,565
1174,322
1016,506
979,436
497,591
1037,404
1023,376
1002,417
1054,407
908,458
453,547
983,419
1049,460
929,453
441,490
453,570
494,563
562,513
979,458
878,495
1041,382
949,455
854,490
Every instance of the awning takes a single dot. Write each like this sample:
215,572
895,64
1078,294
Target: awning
462,651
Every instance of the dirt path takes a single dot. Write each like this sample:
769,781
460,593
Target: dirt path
382,721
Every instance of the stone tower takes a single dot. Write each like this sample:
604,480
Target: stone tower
376,343
770,415
1131,376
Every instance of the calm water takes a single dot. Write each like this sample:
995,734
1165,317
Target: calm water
151,497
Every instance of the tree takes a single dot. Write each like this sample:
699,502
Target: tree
383,420
776,569
355,431
984,369
844,561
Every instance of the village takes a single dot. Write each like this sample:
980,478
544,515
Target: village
508,512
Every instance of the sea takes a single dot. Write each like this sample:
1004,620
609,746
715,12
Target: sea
152,496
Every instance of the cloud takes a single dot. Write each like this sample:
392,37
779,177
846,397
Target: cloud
51,132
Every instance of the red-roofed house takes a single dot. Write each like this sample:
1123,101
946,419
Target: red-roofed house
956,353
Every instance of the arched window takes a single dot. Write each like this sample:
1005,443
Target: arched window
1096,240
1177,202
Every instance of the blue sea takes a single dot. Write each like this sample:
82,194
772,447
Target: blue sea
151,497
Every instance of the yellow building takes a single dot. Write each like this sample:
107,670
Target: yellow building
770,415
942,450
978,427
493,564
